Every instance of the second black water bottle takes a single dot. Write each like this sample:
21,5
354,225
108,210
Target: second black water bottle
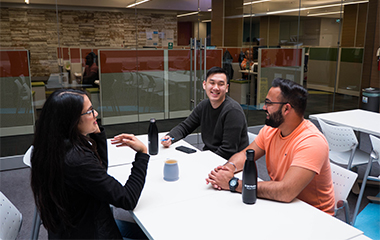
153,137
249,192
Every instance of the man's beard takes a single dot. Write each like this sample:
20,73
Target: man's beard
275,119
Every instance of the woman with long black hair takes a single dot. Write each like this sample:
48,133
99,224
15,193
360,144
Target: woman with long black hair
69,179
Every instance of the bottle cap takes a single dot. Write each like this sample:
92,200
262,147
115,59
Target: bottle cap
250,154
152,120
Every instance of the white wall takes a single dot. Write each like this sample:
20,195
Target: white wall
202,30
329,32
314,31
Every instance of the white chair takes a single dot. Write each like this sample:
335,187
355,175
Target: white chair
343,145
10,219
343,180
27,156
251,137
375,156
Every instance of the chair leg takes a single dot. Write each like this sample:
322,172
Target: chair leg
36,225
346,211
369,165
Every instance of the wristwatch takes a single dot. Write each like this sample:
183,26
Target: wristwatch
234,183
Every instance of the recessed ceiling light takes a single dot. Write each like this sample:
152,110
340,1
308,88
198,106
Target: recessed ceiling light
134,4
187,14
325,13
253,2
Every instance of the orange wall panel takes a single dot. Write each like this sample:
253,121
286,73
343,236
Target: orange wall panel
281,57
14,63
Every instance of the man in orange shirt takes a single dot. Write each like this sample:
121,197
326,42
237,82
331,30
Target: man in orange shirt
297,153
248,60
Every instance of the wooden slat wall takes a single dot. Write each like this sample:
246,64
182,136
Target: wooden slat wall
354,25
360,32
370,74
269,31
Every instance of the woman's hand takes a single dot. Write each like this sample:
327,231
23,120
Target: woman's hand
129,140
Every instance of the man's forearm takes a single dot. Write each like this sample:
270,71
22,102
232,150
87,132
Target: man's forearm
274,190
269,190
238,161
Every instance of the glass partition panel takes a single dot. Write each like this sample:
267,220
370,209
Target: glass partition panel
156,77
150,84
119,83
179,82
16,103
350,69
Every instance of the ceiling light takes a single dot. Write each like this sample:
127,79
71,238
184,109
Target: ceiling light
248,3
286,11
326,13
27,1
134,4
209,10
187,14
249,15
335,5
306,8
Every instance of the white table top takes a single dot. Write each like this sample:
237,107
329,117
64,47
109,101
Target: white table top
56,81
248,71
361,237
172,76
357,119
125,155
191,209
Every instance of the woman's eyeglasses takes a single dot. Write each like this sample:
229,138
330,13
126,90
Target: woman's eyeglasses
88,112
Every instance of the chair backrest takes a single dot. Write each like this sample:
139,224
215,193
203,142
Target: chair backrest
27,156
19,86
10,219
375,154
27,90
340,139
343,180
251,137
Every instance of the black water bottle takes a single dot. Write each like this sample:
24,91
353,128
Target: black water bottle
250,178
153,137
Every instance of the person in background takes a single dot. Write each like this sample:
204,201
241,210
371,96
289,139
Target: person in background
247,61
91,70
69,179
222,120
296,153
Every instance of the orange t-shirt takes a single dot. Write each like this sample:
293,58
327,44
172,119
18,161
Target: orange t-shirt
305,147
243,64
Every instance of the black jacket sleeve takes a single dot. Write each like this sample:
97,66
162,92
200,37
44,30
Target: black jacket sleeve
188,125
235,136
101,143
87,175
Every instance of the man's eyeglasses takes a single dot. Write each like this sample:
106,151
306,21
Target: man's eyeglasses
88,112
268,102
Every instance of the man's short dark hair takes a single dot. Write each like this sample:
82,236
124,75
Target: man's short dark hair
293,93
215,70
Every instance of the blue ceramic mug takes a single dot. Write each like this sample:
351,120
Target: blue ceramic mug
171,172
